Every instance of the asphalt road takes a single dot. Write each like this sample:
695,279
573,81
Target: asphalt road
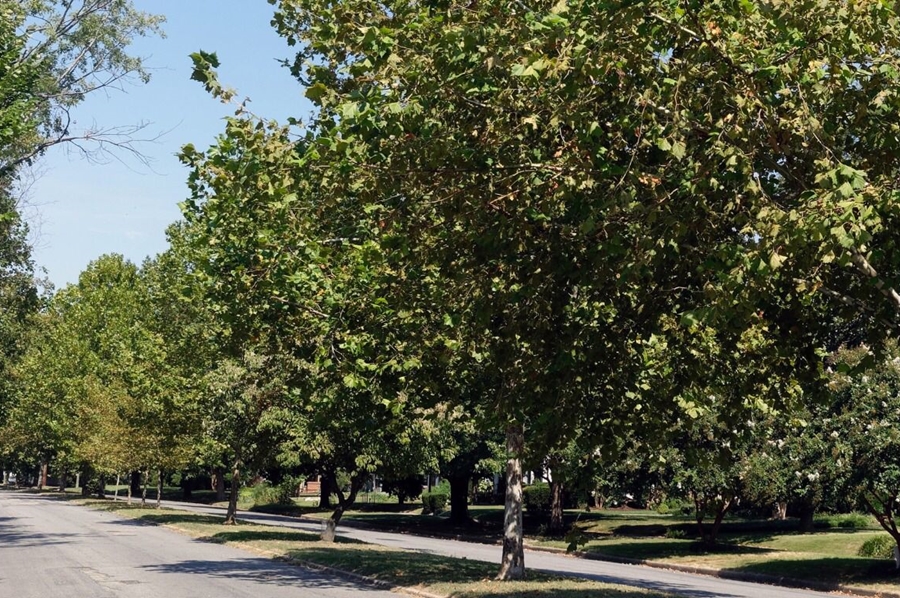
684,584
51,549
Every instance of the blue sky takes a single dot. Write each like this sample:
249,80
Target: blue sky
81,210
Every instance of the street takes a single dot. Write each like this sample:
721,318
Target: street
51,549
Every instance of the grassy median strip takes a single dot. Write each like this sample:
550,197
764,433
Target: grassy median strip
405,569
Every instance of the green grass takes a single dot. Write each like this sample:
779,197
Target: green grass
774,548
435,574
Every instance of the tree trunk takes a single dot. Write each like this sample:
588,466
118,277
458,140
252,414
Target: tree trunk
459,499
186,488
118,481
135,486
233,498
219,475
159,488
144,479
779,511
101,486
43,483
325,491
717,524
62,481
344,503
699,514
806,519
512,563
557,524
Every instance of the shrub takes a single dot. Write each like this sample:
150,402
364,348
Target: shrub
265,493
673,533
853,521
663,509
879,547
434,502
537,498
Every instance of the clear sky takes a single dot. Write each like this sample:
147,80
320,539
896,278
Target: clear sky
81,210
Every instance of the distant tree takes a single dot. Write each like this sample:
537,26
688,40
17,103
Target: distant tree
867,422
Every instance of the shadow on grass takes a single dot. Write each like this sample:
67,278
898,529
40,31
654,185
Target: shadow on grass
827,570
236,534
402,568
554,591
673,548
414,569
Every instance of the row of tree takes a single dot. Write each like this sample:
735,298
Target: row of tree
568,221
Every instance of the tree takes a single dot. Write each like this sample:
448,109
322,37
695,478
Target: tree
866,422
621,180
55,53
98,389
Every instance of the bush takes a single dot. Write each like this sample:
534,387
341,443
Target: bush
879,547
674,533
265,493
663,509
846,521
537,498
853,521
434,502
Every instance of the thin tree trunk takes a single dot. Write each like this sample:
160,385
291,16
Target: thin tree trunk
62,481
459,499
717,524
130,494
233,498
135,483
219,474
101,486
118,480
43,482
325,491
806,519
557,524
144,479
344,503
512,563
699,514
159,488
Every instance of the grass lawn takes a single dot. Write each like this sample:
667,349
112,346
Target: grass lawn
435,574
769,547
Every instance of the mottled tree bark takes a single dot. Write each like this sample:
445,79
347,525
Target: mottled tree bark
512,563
557,523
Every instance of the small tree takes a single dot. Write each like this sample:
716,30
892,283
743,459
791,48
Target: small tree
868,404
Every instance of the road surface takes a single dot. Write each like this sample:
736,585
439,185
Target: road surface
51,549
